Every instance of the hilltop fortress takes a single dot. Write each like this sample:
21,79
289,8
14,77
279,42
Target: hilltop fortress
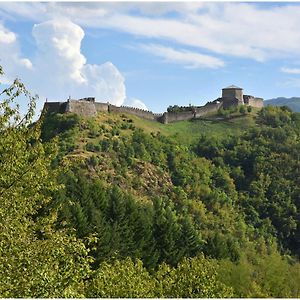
88,107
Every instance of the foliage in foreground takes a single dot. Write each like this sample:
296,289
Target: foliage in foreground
193,277
35,259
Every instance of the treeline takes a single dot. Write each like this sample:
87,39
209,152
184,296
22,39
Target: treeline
177,108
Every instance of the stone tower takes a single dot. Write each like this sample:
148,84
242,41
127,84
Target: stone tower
232,95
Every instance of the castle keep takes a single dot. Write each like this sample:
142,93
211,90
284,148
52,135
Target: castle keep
88,107
233,96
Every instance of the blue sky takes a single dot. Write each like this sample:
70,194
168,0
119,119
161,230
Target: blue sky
151,54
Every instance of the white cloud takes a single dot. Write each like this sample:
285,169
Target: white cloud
84,11
290,70
6,37
21,10
106,82
26,63
222,37
156,8
59,42
137,103
58,68
192,60
10,56
235,29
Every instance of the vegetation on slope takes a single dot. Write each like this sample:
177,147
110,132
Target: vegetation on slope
224,195
129,208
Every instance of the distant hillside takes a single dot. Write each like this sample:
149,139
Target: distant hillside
293,103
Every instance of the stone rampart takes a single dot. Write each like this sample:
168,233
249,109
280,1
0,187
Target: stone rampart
134,111
88,107
54,107
101,106
90,99
157,117
208,108
82,108
256,102
170,117
113,108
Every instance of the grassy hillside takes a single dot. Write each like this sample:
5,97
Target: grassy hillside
101,139
186,131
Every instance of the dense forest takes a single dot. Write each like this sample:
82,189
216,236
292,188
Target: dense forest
101,207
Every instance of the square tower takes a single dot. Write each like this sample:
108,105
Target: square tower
232,95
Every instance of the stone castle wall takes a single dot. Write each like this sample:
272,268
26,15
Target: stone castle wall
208,108
82,108
134,111
57,107
228,103
170,117
101,106
90,109
256,102
87,107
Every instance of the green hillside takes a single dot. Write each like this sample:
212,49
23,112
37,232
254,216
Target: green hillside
189,131
203,174
185,132
102,140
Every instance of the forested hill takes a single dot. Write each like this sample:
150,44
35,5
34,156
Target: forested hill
293,103
226,188
117,206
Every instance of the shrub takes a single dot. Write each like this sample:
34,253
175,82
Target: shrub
242,110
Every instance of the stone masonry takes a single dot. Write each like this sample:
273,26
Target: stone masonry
88,107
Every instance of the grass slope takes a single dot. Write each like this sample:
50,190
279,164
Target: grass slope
188,131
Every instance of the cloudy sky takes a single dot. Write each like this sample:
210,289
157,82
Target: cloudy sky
151,54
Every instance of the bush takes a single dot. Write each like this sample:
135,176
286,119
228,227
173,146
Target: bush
105,145
242,110
90,147
93,161
223,113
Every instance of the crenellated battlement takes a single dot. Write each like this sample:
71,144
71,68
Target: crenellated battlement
135,109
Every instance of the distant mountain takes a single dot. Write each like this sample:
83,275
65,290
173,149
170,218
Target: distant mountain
293,103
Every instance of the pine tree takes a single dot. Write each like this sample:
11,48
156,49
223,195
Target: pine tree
166,230
191,242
